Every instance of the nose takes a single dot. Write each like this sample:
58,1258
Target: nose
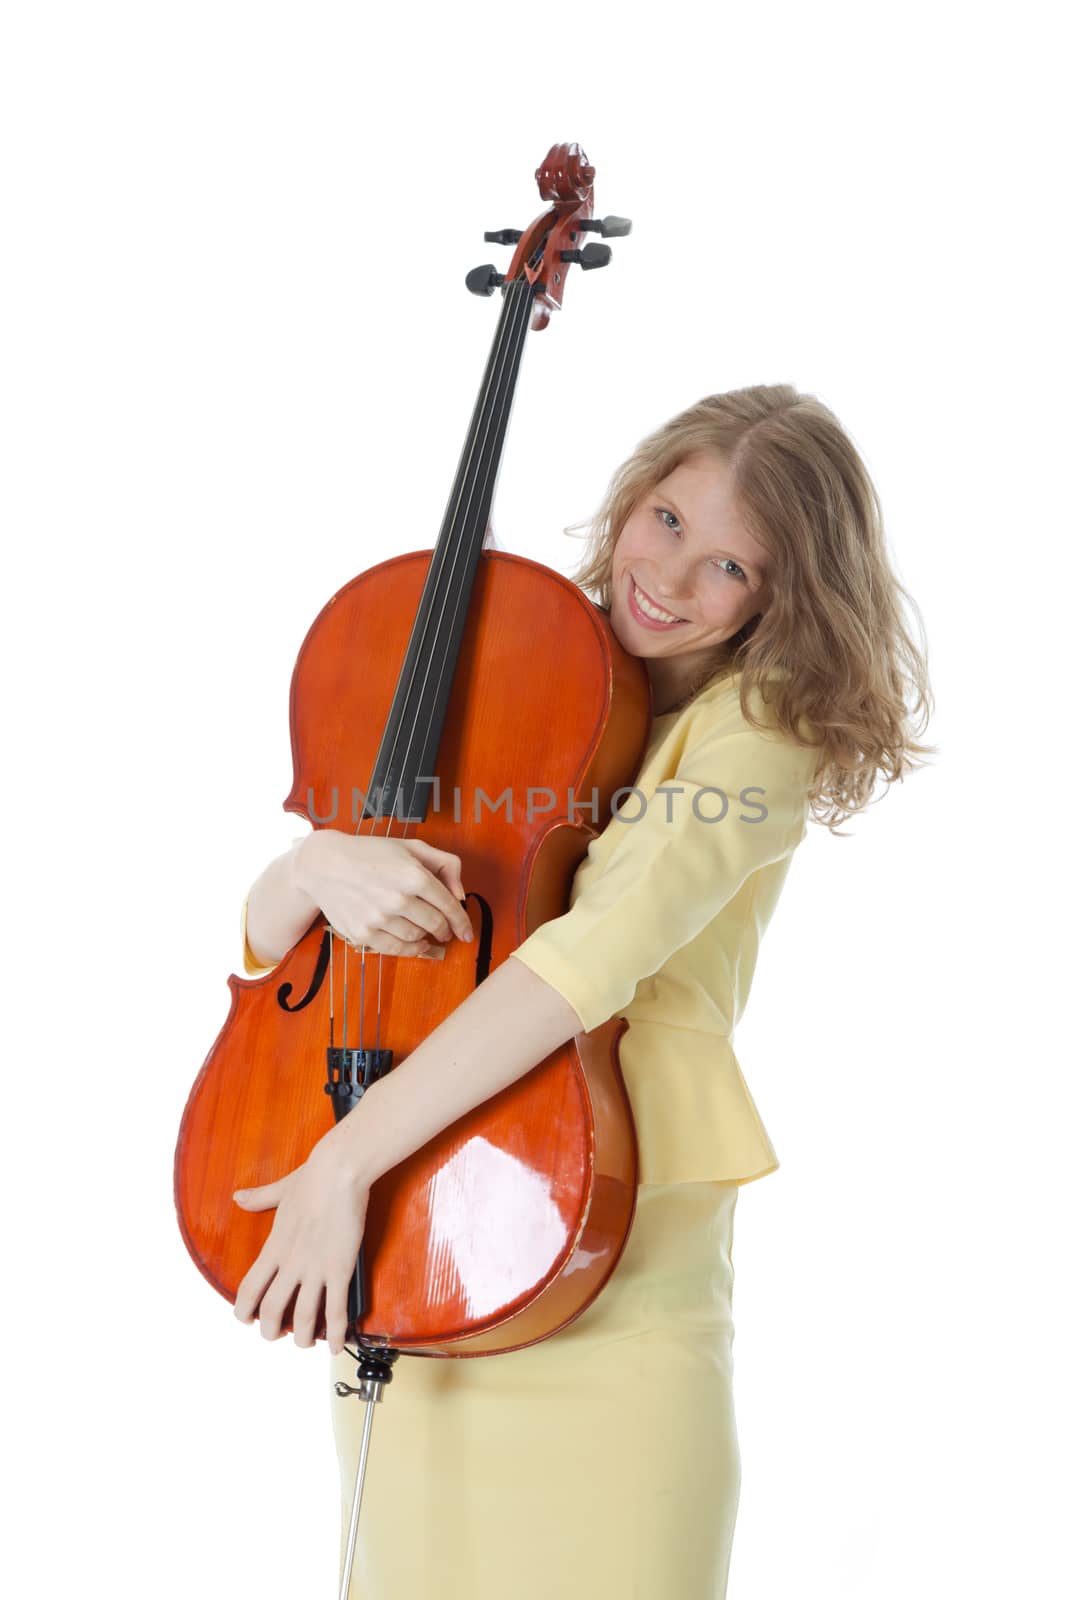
675,575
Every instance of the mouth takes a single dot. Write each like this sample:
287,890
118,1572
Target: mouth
648,612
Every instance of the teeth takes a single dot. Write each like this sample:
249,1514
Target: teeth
650,610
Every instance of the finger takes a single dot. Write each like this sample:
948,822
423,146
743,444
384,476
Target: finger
408,932
450,873
275,1303
436,911
262,1198
446,894
387,935
385,945
306,1314
337,1309
253,1286
420,938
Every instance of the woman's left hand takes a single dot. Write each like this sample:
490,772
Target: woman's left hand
321,1208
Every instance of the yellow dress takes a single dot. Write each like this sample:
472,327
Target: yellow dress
601,1464
604,1461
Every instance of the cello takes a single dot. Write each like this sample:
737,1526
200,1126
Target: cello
429,681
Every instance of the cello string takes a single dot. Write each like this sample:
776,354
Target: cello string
498,424
503,368
330,932
500,361
511,346
507,348
502,365
515,327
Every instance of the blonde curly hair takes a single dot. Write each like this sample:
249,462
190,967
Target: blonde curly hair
831,650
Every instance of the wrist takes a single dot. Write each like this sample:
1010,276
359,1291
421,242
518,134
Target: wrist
357,1143
303,860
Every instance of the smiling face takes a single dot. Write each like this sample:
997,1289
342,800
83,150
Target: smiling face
685,575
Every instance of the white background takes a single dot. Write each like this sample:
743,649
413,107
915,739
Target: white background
238,364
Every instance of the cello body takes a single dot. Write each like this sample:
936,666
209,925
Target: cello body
506,1225
496,683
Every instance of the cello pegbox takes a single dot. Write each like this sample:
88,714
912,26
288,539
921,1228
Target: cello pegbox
565,178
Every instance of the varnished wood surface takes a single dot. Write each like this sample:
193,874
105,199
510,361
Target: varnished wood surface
507,1224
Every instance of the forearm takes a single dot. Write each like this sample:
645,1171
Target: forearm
503,1030
279,909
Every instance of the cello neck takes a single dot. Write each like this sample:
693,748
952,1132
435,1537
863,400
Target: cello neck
409,746
467,515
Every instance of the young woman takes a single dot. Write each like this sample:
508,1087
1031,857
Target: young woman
741,554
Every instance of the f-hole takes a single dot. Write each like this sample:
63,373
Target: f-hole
321,967
485,937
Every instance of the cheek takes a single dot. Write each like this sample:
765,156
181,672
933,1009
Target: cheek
721,606
631,546
619,557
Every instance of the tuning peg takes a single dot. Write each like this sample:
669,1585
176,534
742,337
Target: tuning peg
594,255
610,227
483,280
504,236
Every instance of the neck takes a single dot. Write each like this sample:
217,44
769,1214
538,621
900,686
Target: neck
674,680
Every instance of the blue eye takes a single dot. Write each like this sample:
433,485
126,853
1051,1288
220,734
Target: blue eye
738,572
672,524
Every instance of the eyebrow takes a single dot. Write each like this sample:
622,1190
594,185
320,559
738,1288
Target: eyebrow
750,566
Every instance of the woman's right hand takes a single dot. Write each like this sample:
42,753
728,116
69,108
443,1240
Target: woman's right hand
400,897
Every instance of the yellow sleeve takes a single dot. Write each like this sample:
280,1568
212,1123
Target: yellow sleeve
739,801
253,967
